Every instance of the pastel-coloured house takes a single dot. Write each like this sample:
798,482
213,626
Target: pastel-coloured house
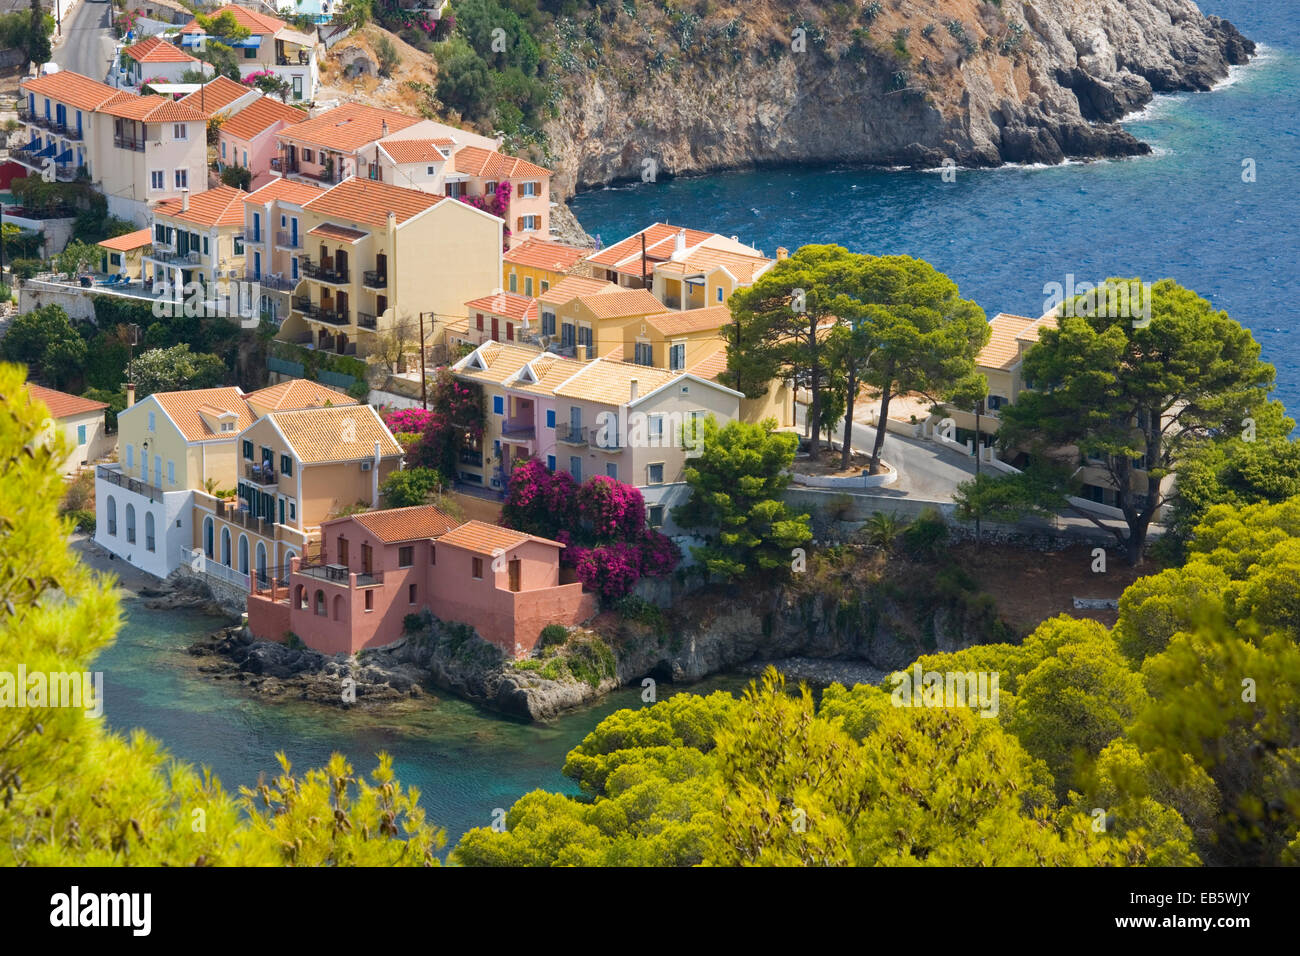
81,420
534,265
155,58
124,255
248,139
375,568
270,47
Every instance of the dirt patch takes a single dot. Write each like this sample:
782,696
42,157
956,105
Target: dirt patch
828,463
1032,586
391,92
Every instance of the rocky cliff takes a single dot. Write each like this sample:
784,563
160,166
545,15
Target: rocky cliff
658,90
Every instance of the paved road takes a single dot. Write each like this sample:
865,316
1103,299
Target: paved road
88,44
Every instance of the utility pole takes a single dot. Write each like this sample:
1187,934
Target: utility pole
424,378
979,410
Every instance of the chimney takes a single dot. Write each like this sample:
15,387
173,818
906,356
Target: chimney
130,394
679,244
383,129
782,253
185,200
633,390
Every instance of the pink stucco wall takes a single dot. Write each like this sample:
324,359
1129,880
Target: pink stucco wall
261,148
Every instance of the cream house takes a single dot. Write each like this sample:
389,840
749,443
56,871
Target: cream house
377,258
80,421
199,239
270,47
273,241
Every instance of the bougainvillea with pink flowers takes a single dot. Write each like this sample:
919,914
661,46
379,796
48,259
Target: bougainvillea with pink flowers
497,204
601,522
407,419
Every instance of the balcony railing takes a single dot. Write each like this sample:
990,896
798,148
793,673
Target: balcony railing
213,567
287,240
319,273
521,430
317,314
260,474
373,279
470,457
115,477
272,281
129,142
340,574
366,321
570,435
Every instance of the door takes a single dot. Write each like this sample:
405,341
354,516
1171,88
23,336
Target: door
496,329
513,570
257,265
293,233
575,421
381,265
367,559
341,262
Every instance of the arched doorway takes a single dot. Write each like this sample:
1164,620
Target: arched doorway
261,565
111,514
148,532
243,554
286,567
208,534
225,546
130,524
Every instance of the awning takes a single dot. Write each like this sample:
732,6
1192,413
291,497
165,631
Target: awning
48,150
251,41
293,36
35,140
64,157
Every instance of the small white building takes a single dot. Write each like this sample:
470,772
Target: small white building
81,421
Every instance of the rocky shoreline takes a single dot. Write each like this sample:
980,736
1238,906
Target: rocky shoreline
973,93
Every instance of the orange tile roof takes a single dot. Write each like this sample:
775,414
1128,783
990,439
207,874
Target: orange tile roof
1002,349
511,305
416,150
297,393
329,230
1030,332
157,50
691,320
406,524
215,95
502,360
613,305
544,254
259,116
220,206
251,20
570,287
128,242
610,383
284,190
489,539
152,109
337,433
548,370
61,404
477,161
72,89
660,239
183,409
744,268
369,202
348,127
711,366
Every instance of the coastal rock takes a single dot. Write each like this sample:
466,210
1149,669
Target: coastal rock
977,85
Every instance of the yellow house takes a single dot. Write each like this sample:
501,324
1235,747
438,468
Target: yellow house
497,317
124,255
535,265
591,326
197,238
379,258
675,340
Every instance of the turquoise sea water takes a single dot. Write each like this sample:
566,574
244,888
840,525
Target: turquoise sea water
1002,234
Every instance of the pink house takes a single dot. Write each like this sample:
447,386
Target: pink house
377,567
249,137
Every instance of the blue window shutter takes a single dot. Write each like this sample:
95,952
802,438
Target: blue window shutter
81,434
550,422
550,462
498,405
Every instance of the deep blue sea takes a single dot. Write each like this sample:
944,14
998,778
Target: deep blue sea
1002,234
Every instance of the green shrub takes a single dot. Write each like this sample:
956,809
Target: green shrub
554,634
84,520
293,641
413,623
633,607
25,268
925,537
241,177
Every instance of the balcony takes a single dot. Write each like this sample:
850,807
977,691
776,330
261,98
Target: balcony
324,273
171,258
340,574
366,320
287,240
115,477
518,431
234,511
571,435
316,313
470,457
281,165
264,475
129,142
272,281
373,279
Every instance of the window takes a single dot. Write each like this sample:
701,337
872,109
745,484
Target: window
406,556
545,285
286,466
611,470
205,245
548,319
248,450
159,234
677,357
156,181
514,282
180,131
476,568
112,516
294,266
655,473
182,177
283,220
152,425
81,435
489,188
550,462
250,52
530,223
430,171
550,419
584,335
245,159
171,472
575,468
528,286
115,258
655,516
297,87
996,402
307,156
498,405
719,293
643,353
656,423
239,250
478,321
370,599
529,190
293,511
148,531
